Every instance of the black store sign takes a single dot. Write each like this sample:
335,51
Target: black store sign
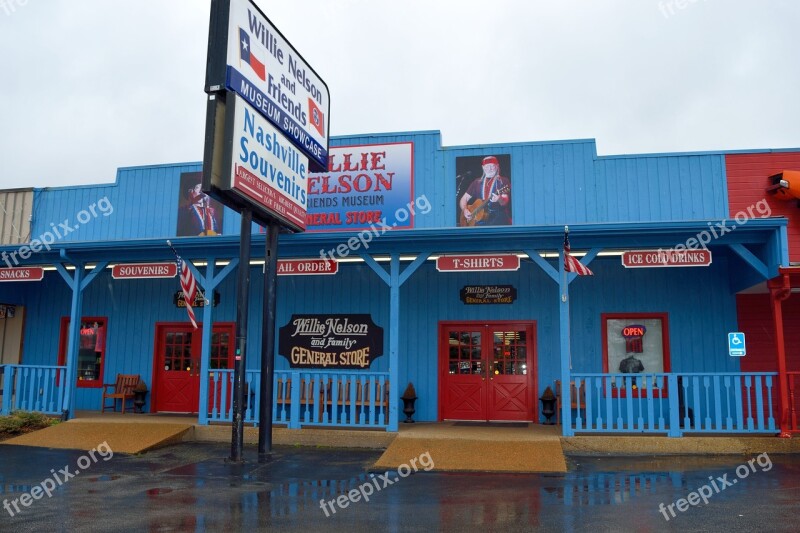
199,301
330,341
488,294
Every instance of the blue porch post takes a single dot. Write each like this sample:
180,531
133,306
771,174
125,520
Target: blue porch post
394,337
7,389
395,279
205,349
563,328
209,282
78,284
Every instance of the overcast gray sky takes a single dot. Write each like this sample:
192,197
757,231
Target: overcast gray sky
87,86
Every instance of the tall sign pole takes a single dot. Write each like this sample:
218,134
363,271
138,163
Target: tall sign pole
267,127
268,343
240,357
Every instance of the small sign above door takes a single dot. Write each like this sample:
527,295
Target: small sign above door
488,294
22,274
307,267
199,299
145,270
473,263
666,258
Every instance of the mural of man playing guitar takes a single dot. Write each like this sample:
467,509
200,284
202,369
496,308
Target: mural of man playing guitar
486,201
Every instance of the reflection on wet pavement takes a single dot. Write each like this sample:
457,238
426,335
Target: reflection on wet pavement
191,487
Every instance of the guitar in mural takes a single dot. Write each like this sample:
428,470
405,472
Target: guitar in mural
478,209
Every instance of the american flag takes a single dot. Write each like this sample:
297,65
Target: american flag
189,287
572,264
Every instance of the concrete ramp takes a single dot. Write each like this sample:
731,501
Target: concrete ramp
121,437
452,448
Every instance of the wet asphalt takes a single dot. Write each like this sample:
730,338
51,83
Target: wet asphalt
192,487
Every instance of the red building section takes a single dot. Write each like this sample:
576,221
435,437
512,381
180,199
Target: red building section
748,180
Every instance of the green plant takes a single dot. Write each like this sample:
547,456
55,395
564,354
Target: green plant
23,421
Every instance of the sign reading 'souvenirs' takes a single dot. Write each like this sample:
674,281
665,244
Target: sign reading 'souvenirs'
330,341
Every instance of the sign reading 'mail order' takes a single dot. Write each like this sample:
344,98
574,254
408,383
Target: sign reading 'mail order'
666,258
22,274
307,267
145,270
266,70
464,263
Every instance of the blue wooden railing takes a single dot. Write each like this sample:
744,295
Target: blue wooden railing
32,388
307,398
674,403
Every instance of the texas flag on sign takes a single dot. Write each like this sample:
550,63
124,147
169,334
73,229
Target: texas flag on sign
316,117
246,55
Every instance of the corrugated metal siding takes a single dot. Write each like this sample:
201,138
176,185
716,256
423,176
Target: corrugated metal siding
755,320
552,183
747,179
144,200
133,308
700,315
652,189
15,215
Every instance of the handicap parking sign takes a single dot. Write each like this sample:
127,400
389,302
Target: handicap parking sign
736,347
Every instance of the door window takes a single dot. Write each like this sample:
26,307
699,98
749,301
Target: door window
465,352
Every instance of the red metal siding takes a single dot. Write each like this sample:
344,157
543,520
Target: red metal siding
747,179
755,320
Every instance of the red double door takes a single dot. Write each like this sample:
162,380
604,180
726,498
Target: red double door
177,364
487,371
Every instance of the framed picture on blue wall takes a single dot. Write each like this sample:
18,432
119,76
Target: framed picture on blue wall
483,190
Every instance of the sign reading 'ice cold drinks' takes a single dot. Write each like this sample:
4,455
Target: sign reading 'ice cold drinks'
666,258
330,341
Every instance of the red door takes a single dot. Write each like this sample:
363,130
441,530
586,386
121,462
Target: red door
487,371
177,363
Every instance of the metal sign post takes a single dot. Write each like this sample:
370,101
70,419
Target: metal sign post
268,343
240,357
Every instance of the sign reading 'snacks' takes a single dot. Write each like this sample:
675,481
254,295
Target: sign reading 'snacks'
22,274
331,341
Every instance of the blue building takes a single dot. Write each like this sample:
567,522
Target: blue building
437,266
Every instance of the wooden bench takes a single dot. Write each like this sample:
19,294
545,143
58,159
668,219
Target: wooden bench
123,391
327,402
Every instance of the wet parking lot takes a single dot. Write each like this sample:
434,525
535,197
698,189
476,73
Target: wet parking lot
191,487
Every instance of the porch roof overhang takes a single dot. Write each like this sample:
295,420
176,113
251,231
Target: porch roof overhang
755,235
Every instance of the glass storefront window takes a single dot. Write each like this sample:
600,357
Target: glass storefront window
91,349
